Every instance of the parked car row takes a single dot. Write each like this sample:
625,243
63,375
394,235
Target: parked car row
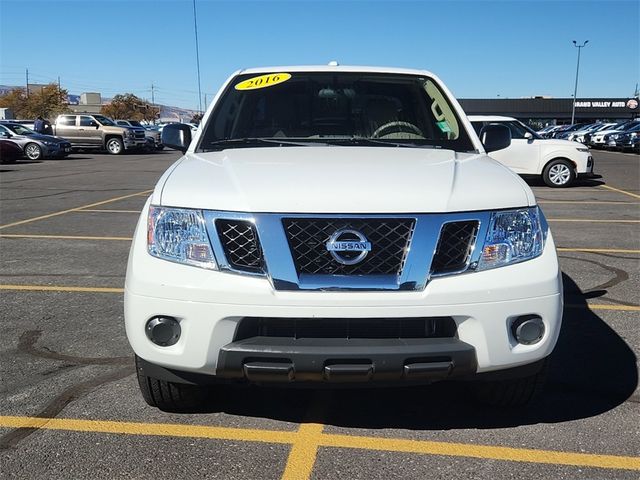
76,131
614,136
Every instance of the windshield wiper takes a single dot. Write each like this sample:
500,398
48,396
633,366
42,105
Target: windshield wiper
251,142
385,143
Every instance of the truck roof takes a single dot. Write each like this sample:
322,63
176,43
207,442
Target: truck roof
336,68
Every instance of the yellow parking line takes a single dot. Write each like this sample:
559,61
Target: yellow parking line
62,237
99,210
305,465
620,191
590,220
597,250
57,288
604,306
62,212
482,451
151,429
303,452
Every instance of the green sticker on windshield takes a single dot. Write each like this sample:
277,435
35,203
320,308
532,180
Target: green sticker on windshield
444,127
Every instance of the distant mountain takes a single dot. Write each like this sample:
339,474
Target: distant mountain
4,89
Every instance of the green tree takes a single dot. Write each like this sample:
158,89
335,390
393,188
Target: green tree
47,102
130,107
16,100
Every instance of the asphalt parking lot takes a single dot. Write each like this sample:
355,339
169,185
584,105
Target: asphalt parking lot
70,406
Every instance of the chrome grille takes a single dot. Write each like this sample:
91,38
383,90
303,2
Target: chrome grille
454,246
240,244
389,237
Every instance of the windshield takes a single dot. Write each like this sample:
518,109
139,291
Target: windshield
630,126
19,129
135,123
104,120
343,108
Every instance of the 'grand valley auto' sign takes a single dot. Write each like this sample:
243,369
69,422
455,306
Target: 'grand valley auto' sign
631,104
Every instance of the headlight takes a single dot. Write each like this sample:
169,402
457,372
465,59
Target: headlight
582,149
179,235
49,144
513,236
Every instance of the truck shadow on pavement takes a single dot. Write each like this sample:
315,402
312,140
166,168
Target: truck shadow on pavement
592,371
536,181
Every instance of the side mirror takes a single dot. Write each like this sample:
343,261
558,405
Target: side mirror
176,136
495,137
94,123
528,136
5,135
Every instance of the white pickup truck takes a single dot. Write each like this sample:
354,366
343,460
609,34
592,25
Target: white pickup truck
340,224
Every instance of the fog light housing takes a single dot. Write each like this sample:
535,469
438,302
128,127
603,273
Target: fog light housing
528,329
163,331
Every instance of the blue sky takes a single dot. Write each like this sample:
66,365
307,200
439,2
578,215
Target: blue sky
481,49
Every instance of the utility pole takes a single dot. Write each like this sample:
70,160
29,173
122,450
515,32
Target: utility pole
27,70
153,103
575,90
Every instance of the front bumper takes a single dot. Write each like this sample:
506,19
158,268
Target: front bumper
133,143
57,150
210,305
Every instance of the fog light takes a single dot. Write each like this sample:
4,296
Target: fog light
528,329
163,331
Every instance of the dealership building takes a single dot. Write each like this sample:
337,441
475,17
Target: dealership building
546,110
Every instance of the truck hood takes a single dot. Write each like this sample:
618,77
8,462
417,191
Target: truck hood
334,179
41,138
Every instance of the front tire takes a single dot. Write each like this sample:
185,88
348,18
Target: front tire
115,146
33,151
170,396
559,173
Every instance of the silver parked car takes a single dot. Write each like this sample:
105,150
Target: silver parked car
35,145
152,134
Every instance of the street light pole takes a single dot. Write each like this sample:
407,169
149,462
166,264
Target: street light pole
575,90
195,30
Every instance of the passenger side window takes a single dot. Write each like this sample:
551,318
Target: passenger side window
86,121
517,130
69,120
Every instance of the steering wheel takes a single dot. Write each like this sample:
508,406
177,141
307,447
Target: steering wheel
400,126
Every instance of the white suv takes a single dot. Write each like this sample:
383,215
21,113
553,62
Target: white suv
340,225
559,162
